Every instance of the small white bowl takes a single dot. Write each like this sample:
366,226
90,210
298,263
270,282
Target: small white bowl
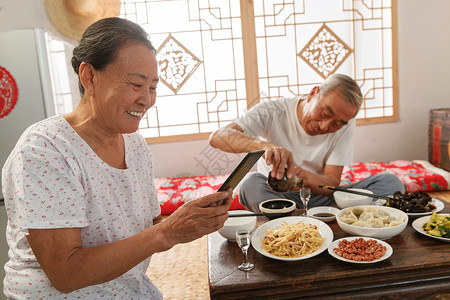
279,207
234,224
344,200
323,213
378,233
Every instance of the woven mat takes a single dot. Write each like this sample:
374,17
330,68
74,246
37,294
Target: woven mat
182,272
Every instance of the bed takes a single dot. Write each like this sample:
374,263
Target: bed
416,175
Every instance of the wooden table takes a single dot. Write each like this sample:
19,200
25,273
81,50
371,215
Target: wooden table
418,268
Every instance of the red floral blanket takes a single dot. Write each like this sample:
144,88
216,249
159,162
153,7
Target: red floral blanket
415,175
174,192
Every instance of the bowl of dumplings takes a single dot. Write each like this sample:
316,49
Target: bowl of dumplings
379,222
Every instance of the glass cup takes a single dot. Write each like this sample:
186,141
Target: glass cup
243,241
305,194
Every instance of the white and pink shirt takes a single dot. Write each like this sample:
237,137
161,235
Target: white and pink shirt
53,179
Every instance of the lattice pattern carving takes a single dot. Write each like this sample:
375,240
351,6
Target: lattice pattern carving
325,52
176,63
250,51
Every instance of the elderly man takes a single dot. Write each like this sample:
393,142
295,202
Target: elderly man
310,136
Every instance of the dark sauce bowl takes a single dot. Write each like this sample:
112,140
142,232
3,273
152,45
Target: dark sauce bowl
276,208
323,213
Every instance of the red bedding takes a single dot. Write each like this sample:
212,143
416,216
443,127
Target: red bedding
415,176
174,192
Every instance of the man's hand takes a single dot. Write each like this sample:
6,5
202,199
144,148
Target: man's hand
280,158
231,138
331,176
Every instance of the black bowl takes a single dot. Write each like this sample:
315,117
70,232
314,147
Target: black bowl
276,208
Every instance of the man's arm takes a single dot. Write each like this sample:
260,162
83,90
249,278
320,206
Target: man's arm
231,138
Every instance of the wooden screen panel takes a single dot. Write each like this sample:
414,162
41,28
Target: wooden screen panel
201,66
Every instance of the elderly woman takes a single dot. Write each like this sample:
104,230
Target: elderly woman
83,217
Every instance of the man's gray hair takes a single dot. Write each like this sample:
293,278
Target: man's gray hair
345,86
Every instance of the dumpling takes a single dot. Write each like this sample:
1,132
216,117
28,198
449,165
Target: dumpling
357,211
396,222
373,210
375,223
349,217
386,220
361,223
381,213
366,215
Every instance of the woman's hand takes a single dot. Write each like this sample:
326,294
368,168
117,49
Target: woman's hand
196,218
157,220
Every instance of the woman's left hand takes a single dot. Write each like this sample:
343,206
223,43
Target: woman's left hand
197,218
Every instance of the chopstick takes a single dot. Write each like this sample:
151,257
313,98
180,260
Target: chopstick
254,215
355,192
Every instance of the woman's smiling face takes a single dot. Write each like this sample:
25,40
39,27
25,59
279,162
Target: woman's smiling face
126,89
325,114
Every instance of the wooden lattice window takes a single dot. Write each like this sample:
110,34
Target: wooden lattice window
218,58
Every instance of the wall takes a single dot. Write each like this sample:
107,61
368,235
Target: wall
423,60
423,78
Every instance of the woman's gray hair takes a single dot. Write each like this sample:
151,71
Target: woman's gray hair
101,42
345,86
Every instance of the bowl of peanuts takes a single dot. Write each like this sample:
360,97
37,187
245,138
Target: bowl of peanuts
380,222
360,250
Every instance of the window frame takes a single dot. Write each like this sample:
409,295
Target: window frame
249,44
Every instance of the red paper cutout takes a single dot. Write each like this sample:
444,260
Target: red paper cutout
437,145
8,92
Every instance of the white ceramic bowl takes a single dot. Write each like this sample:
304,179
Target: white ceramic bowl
323,213
234,224
344,199
378,233
280,207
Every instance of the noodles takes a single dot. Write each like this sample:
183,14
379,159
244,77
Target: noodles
292,240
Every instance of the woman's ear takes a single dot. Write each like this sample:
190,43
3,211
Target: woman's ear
86,73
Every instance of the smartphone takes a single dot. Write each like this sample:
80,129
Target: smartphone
239,172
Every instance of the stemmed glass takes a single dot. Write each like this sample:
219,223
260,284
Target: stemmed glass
243,241
305,194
